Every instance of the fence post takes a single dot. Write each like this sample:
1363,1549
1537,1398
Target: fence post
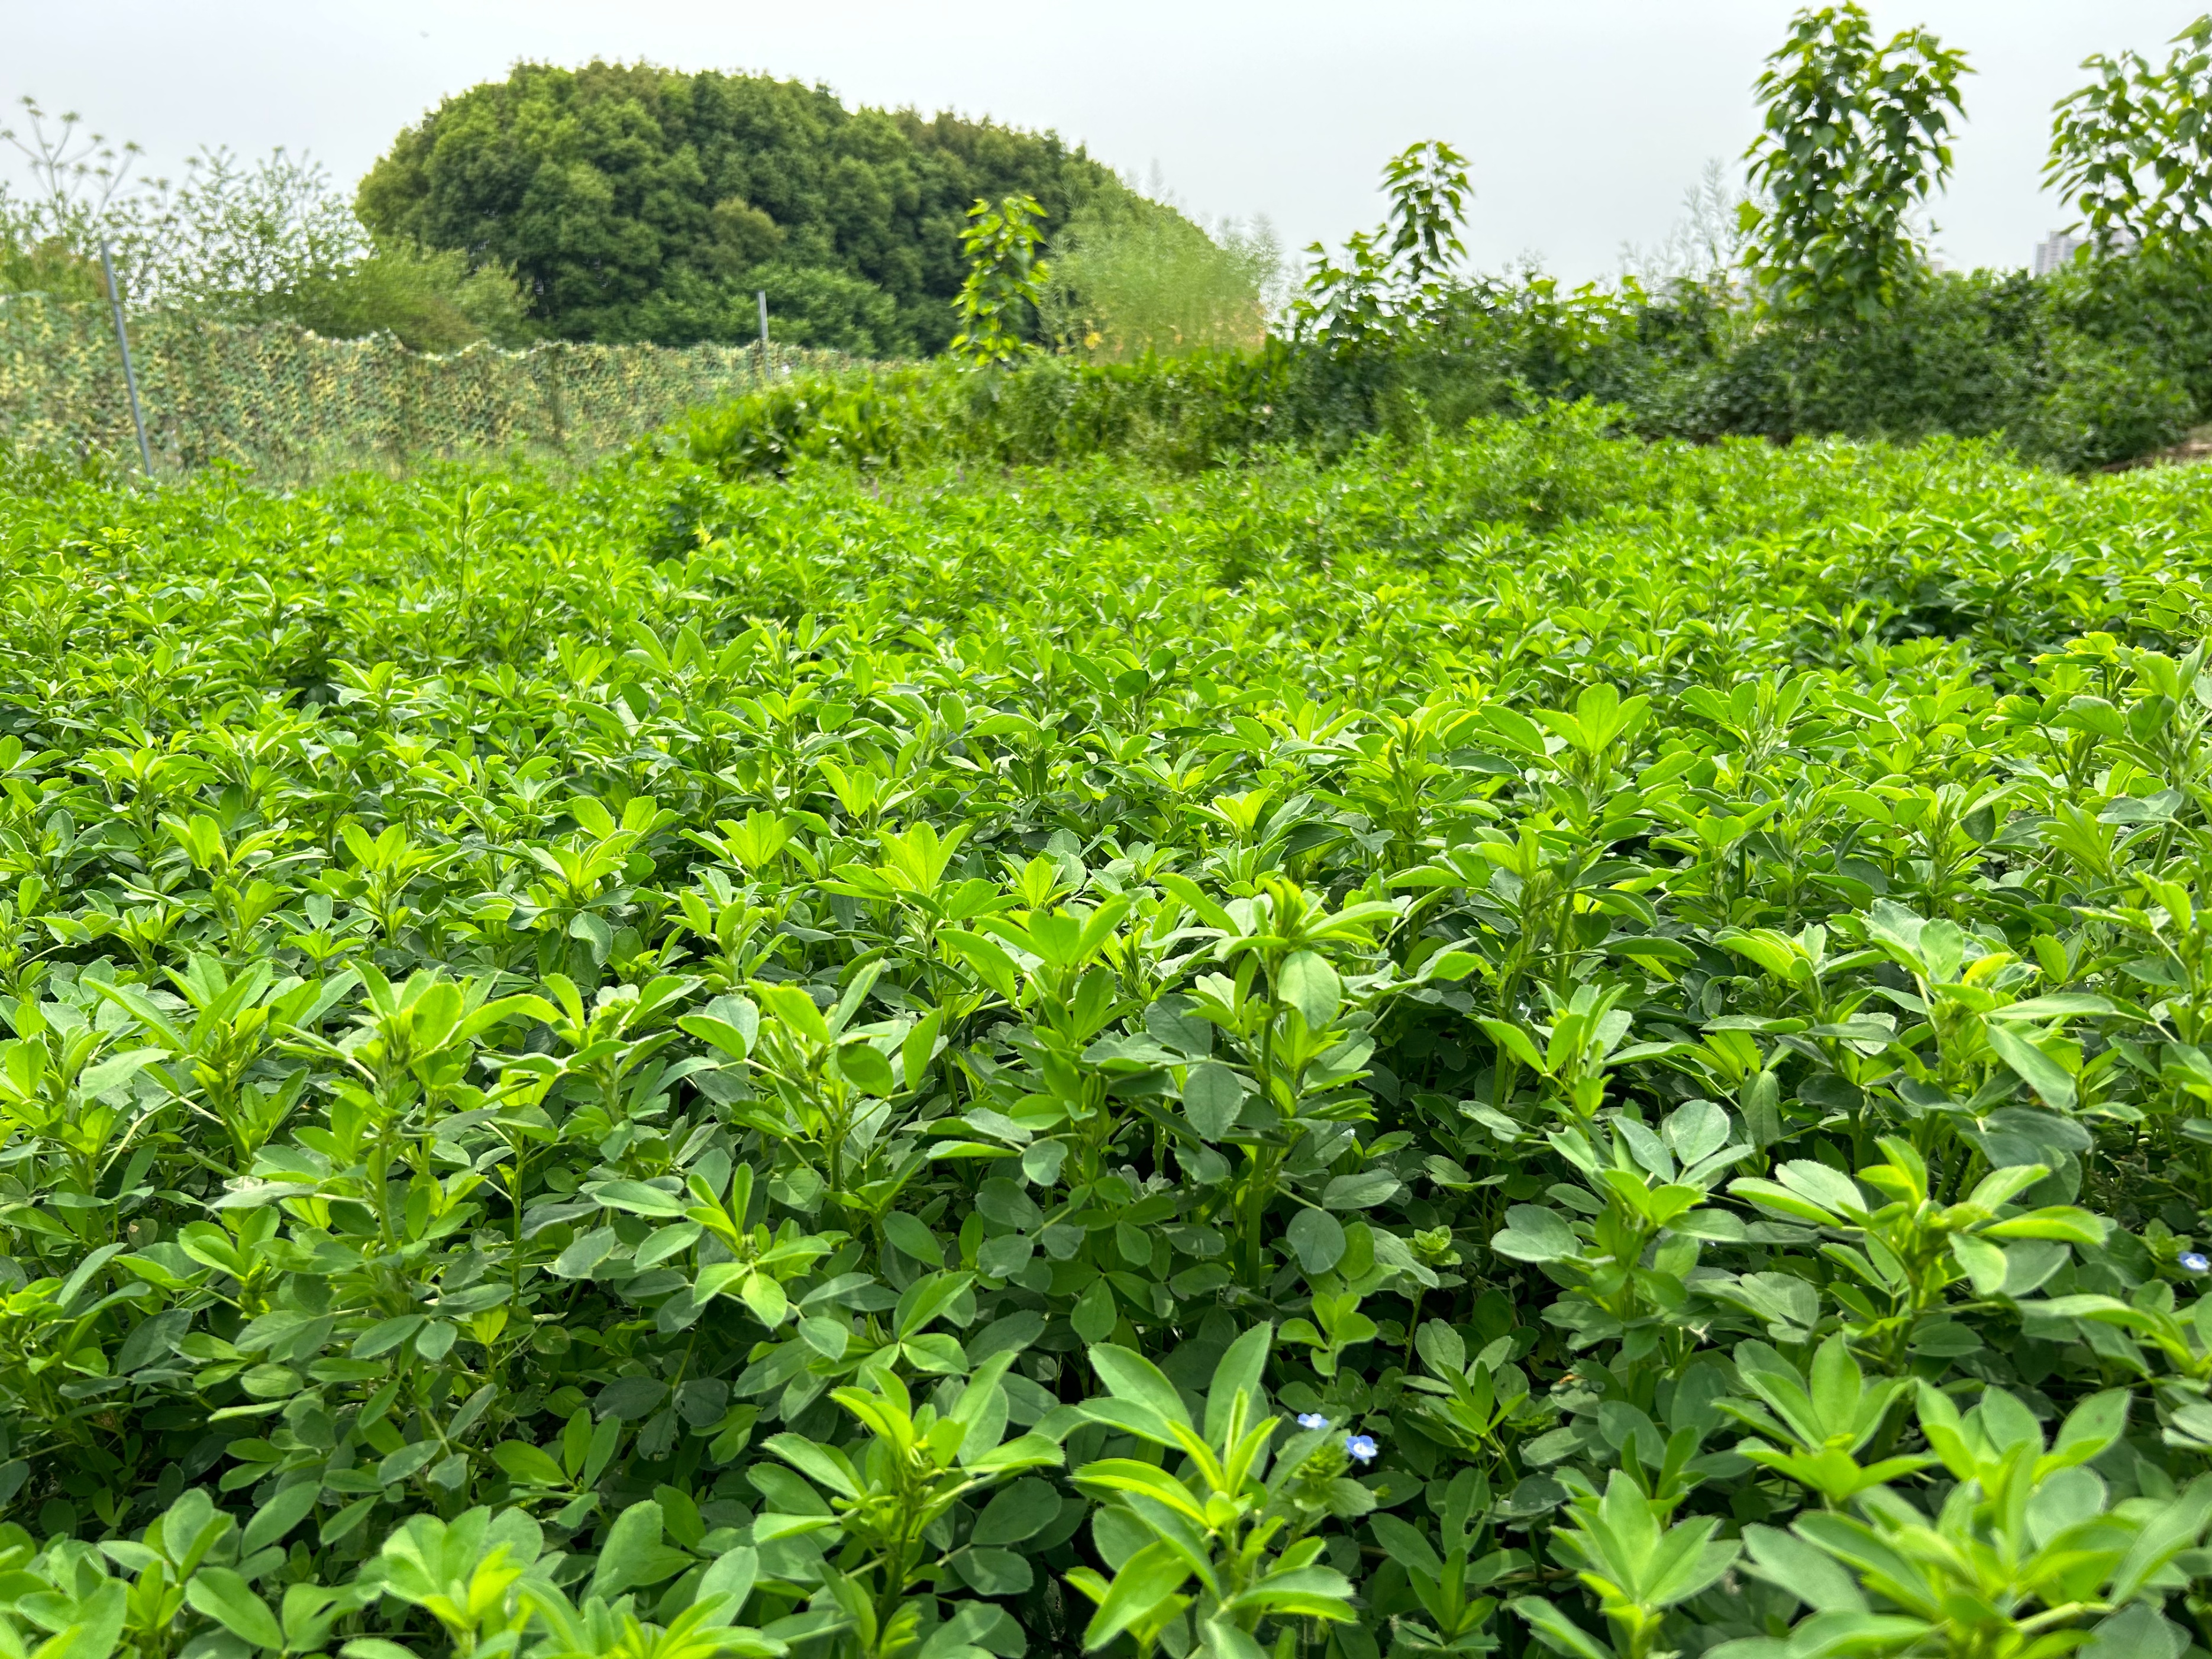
129,375
761,296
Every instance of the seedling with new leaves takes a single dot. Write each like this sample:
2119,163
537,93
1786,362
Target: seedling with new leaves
1646,1190
1054,966
414,1038
1336,1326
610,1047
2027,1553
1284,1010
1636,1564
1967,995
888,1503
1822,1423
1224,1520
1803,966
1575,1055
830,1082
1906,1254
1447,1584
56,1077
756,1261
236,1019
1598,734
584,875
1472,1403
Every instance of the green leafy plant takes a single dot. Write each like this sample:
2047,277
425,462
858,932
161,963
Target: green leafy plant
1400,274
1230,1523
2027,1550
888,1503
1004,282
1636,1564
1855,139
2128,150
1507,1039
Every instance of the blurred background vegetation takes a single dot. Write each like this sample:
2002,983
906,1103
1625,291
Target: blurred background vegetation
627,203
1131,276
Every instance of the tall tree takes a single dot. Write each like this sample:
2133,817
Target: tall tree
2132,150
637,203
1856,138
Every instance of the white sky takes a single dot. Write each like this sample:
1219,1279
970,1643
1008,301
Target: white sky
1585,119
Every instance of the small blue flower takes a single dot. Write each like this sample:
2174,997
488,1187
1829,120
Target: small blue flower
1361,1446
2196,1261
1312,1420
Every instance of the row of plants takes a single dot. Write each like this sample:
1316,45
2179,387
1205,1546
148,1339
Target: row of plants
1524,1042
2094,365
1809,302
2091,369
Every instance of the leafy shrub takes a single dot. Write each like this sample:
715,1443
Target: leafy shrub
2106,406
1184,414
33,262
1850,334
1967,356
237,241
1131,278
429,301
2155,303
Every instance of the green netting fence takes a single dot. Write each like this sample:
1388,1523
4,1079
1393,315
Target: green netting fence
280,399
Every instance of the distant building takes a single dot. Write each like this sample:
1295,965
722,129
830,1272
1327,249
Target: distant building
2055,249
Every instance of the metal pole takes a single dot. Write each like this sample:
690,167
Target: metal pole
123,342
761,294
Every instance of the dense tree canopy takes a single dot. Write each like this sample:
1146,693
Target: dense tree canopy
636,203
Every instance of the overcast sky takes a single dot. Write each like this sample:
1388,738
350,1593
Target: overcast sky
1584,119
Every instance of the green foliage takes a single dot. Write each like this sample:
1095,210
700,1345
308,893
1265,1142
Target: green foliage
1004,281
1236,1525
429,301
821,1041
1395,278
2097,367
2082,371
635,202
1638,1566
273,242
1184,414
2132,150
239,242
1131,278
32,262
238,237
2088,369
1856,138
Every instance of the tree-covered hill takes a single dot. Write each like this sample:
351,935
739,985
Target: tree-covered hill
640,203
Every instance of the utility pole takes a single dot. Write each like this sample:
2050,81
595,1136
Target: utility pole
123,344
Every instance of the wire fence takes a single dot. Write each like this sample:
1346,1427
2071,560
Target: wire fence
278,399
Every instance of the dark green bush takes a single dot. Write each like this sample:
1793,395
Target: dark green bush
638,202
2106,402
